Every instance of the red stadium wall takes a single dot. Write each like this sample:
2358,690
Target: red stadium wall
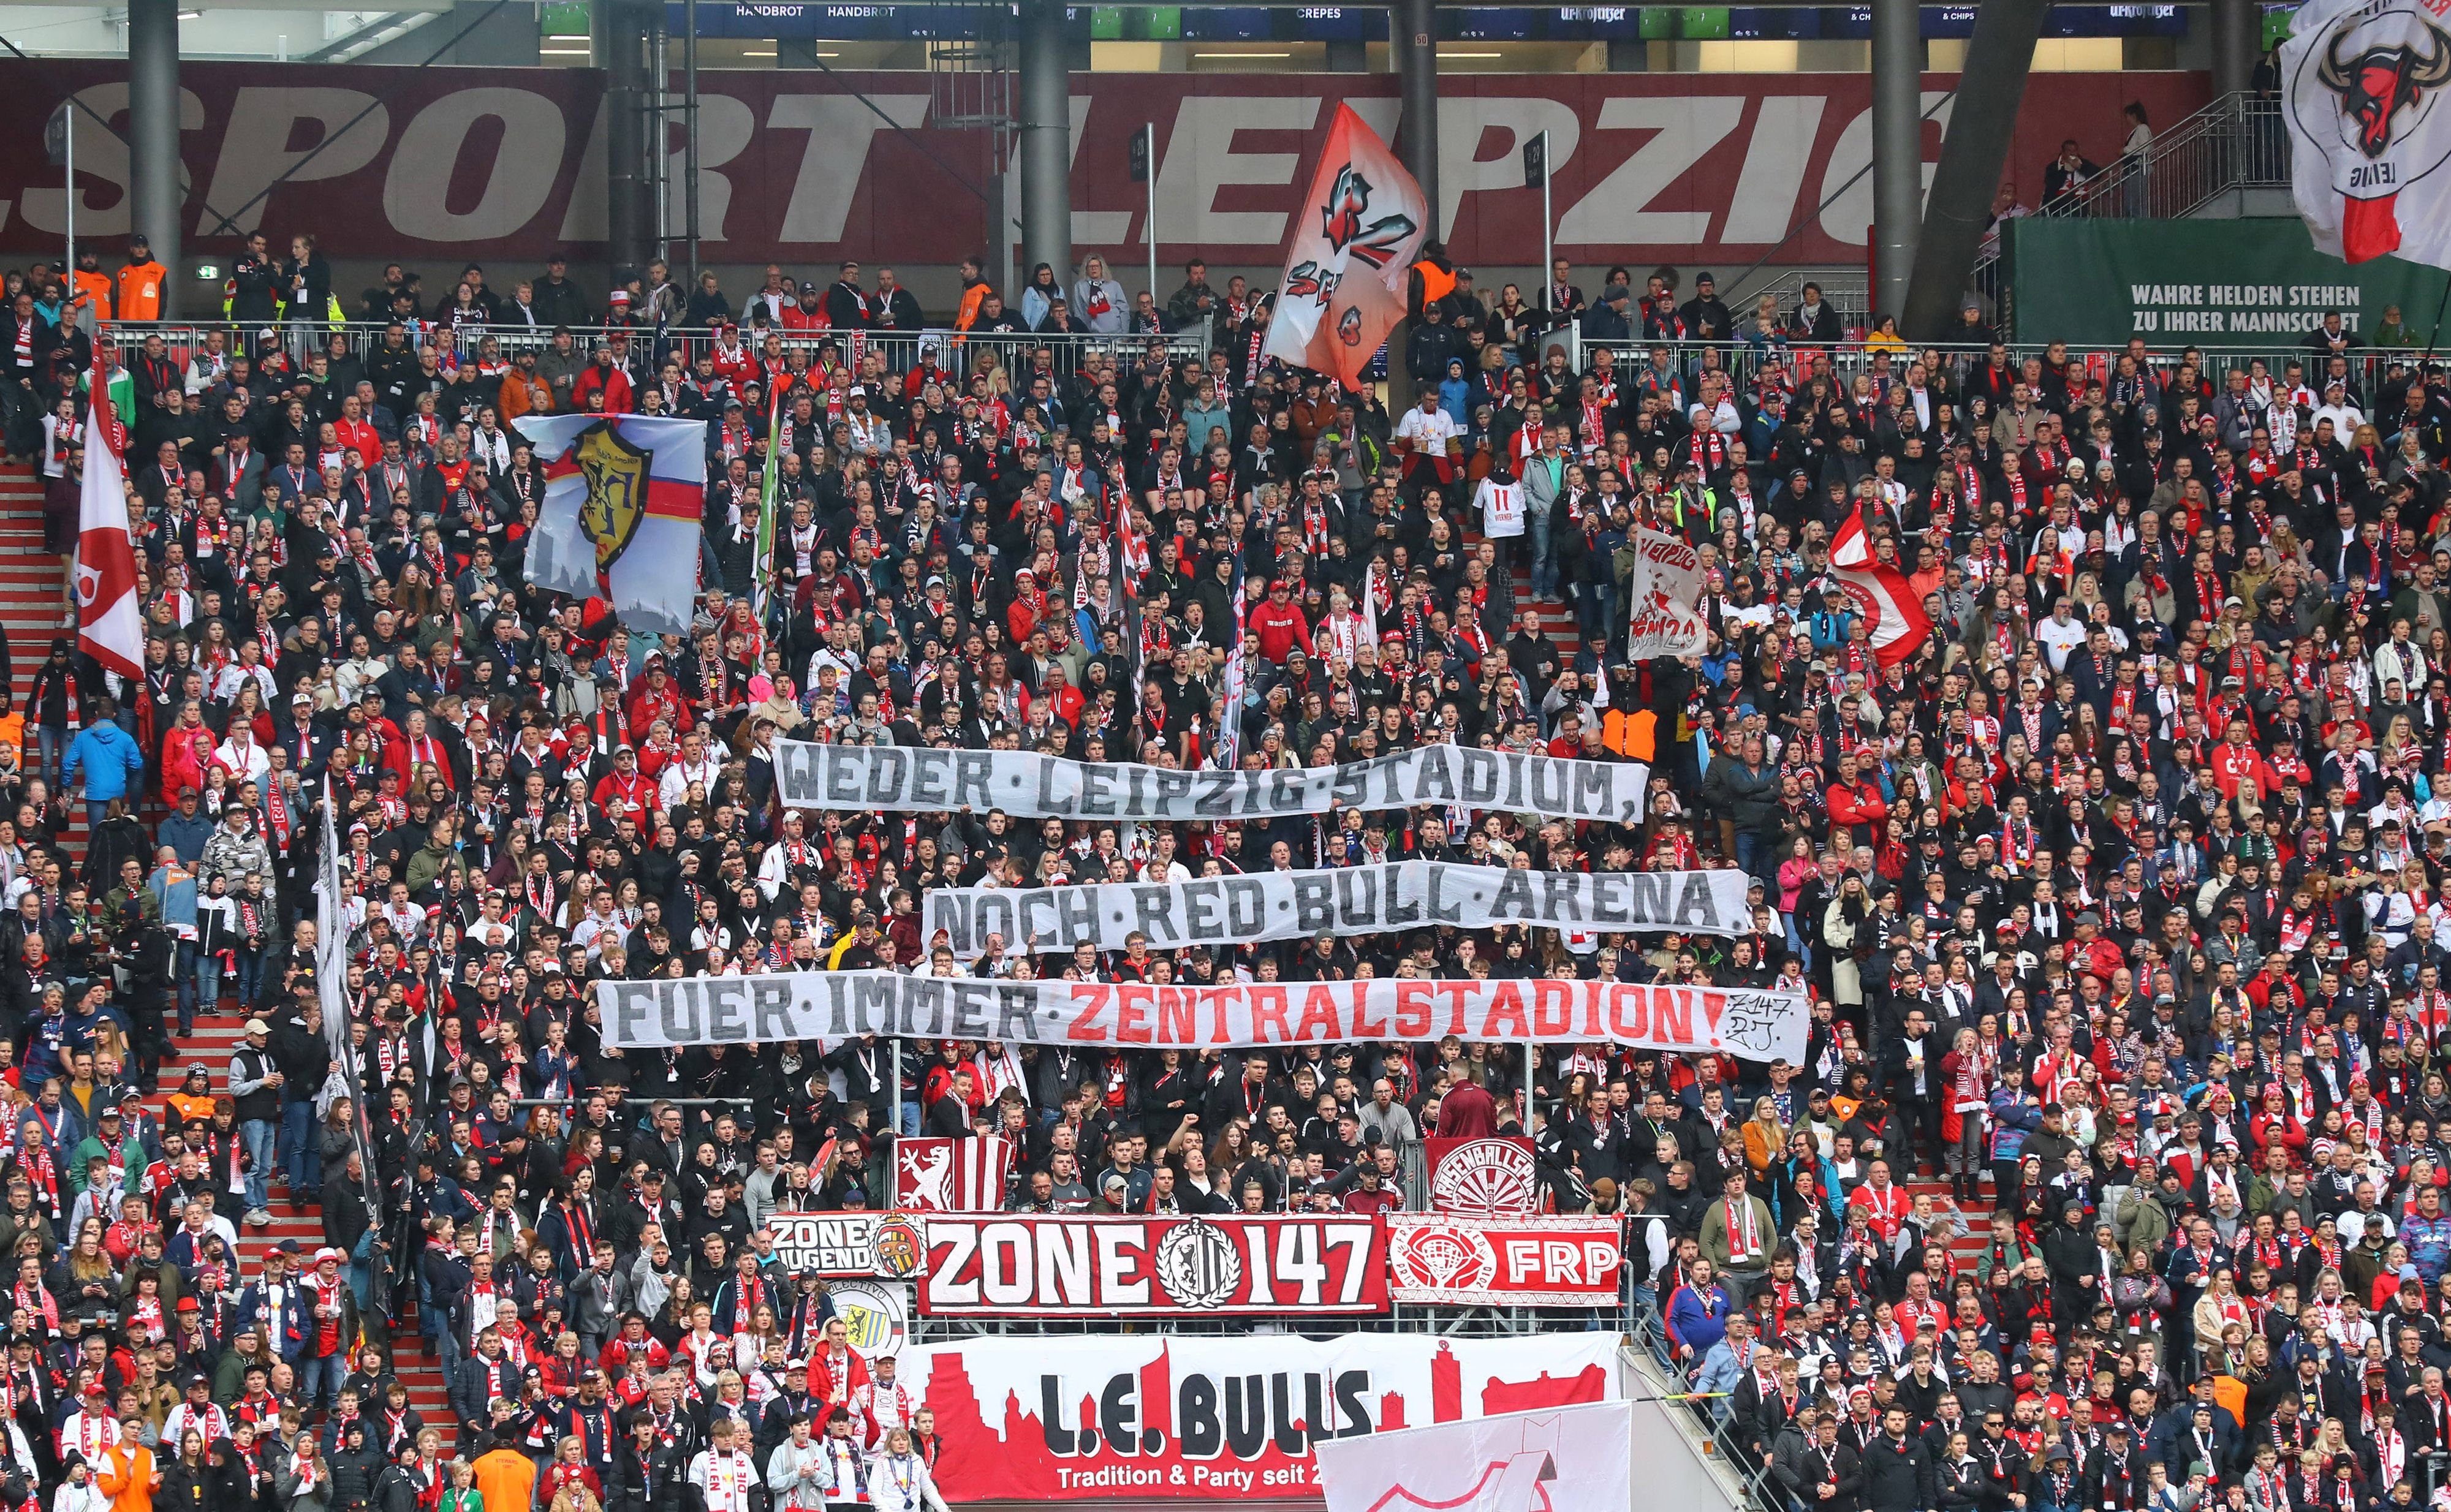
509,163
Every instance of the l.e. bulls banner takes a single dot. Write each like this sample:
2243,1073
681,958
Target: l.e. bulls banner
494,164
1150,1417
1172,1266
1571,1262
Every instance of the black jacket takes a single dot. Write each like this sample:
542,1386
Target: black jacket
1897,1477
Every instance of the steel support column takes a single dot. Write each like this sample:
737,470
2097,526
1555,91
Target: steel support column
2001,54
1045,141
2238,44
629,93
1897,150
155,195
1414,33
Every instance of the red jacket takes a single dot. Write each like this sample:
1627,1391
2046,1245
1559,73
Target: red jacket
1280,627
613,380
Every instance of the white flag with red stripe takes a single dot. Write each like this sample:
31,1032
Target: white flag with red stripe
935,1175
110,624
624,498
2362,84
1893,615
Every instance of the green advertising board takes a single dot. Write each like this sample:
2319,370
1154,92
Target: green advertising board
2245,283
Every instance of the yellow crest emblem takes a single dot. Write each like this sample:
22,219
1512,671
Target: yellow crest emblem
615,469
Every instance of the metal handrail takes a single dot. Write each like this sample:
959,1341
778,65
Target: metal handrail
1013,351
2236,142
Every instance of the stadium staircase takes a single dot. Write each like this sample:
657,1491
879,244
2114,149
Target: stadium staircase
31,610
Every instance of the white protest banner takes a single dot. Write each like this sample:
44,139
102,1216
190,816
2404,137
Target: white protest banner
833,1005
1164,1416
1667,584
1029,785
1580,1457
848,1244
1341,901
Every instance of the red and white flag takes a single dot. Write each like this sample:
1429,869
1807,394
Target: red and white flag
111,626
936,1175
1894,614
1355,240
2362,85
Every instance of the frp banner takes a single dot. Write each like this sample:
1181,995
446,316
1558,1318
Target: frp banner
1521,1461
506,165
942,1176
1441,1259
1033,786
1489,1177
1153,1416
2251,283
1661,599
1339,900
848,1244
1745,1023
1135,1266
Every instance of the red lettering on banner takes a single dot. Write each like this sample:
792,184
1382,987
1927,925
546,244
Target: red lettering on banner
1177,1019
1713,1005
1505,1019
1085,1030
1268,1010
1552,1008
1457,992
1082,1265
1672,1015
1364,1026
1629,1016
1321,1023
1413,1009
1132,1001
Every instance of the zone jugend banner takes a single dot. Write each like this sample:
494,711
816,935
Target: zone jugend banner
1029,785
835,1005
1341,901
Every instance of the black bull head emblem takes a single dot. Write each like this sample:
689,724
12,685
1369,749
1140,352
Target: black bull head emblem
2378,84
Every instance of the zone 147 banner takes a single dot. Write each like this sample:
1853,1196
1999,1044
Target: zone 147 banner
1102,1267
1339,900
1029,785
1159,1417
832,1005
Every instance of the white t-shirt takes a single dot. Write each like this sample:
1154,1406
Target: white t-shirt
1430,431
2059,640
1502,509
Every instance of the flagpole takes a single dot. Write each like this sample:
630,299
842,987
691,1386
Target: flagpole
1148,134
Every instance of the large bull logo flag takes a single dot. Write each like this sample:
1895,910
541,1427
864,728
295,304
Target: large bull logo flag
1344,285
2366,80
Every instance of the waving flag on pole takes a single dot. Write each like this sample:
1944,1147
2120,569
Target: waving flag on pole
110,627
623,496
768,488
1897,623
2362,85
1355,240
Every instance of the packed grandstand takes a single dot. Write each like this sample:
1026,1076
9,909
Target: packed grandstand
2109,1171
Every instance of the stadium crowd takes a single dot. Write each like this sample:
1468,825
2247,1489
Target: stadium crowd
2117,895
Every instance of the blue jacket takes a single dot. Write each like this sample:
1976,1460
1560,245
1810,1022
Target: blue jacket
2015,1113
110,757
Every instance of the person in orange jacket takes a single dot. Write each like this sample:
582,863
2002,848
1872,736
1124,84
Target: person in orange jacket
91,283
141,283
126,1472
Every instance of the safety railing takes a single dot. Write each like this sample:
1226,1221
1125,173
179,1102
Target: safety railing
1757,367
1014,351
2237,143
